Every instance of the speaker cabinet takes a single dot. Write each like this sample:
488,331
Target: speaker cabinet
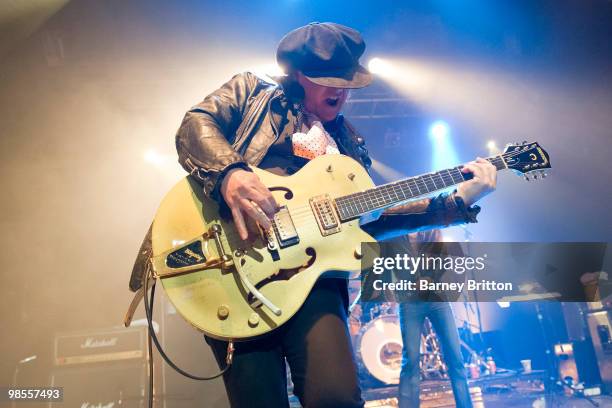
103,385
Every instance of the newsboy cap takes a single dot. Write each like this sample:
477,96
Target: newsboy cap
326,53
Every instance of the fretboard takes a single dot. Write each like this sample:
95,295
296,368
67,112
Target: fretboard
387,195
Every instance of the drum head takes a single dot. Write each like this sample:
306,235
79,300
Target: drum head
380,348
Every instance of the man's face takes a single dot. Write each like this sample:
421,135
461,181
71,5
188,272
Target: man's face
323,101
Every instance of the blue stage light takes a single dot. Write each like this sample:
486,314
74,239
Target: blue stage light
439,130
443,152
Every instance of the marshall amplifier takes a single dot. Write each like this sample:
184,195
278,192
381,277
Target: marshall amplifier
100,346
102,368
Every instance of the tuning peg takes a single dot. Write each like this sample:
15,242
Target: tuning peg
526,177
535,176
544,174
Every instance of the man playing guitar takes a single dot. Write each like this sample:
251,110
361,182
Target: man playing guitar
279,128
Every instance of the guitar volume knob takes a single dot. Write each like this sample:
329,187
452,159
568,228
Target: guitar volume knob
223,312
253,320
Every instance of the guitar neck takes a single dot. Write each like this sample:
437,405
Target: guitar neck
388,195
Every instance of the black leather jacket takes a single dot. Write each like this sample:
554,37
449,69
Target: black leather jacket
236,125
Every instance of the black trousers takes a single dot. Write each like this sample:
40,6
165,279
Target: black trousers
316,344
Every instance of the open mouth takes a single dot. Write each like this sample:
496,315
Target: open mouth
332,101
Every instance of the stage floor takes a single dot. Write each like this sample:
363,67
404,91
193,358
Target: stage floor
509,389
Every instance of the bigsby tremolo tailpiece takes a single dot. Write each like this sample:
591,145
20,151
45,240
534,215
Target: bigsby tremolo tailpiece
195,256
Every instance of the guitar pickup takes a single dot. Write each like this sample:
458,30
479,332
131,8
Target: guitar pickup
325,214
284,229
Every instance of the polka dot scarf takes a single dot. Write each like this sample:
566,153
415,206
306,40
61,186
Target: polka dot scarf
313,142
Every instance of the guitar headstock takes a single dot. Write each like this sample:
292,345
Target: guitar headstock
528,159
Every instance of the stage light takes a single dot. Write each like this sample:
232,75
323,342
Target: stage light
267,71
492,147
154,158
380,67
443,152
439,130
503,305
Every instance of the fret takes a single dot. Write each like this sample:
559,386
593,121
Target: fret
389,193
356,204
385,193
437,184
363,203
345,211
340,209
352,203
414,192
395,188
359,204
388,197
367,200
454,174
401,190
441,179
371,198
498,162
380,200
449,178
396,193
421,185
381,195
342,205
405,185
432,183
428,183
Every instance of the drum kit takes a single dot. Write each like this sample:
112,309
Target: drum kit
377,340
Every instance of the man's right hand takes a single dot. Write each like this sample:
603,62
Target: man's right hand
246,196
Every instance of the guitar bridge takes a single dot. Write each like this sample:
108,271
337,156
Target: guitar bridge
325,214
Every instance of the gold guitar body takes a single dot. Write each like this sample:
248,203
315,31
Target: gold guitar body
208,289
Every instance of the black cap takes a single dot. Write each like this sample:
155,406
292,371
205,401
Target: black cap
326,53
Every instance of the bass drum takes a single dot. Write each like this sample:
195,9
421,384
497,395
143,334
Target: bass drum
379,349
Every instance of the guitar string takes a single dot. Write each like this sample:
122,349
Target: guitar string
306,209
305,228
299,210
304,215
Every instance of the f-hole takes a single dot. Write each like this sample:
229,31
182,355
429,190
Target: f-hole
288,194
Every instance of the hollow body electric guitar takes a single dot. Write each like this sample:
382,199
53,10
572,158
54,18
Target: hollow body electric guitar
233,290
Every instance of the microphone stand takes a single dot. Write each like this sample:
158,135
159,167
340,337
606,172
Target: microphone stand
16,373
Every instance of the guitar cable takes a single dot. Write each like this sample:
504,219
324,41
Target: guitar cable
148,304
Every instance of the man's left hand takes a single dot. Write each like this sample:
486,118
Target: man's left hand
483,183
